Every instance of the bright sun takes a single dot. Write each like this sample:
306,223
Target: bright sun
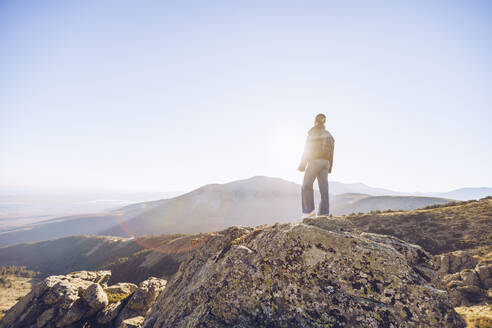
286,142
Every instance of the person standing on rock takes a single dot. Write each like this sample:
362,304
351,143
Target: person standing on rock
317,161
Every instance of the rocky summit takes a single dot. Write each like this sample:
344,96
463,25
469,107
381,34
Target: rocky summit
319,273
323,272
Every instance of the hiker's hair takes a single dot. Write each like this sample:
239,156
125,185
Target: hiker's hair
320,119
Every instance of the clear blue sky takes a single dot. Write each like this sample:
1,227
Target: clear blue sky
171,95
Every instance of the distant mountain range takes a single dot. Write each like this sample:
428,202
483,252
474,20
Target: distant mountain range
457,194
465,193
248,202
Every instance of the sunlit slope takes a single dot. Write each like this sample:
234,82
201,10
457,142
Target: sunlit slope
439,229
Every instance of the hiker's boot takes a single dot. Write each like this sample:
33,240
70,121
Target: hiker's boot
309,215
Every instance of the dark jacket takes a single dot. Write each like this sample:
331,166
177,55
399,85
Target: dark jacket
320,144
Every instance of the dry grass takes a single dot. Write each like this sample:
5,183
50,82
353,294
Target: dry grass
12,292
438,229
483,254
15,282
479,316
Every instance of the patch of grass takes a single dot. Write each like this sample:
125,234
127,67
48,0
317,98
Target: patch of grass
239,240
118,297
253,233
479,316
13,289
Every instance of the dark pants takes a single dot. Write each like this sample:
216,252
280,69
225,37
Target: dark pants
316,169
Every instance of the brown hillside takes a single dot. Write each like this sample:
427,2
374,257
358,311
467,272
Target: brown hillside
439,228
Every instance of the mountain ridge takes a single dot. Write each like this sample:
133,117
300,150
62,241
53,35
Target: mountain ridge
252,201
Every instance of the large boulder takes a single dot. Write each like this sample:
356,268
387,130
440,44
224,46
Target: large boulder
101,277
320,273
469,287
484,272
95,296
146,294
455,261
141,301
65,291
121,288
76,312
135,322
470,277
109,313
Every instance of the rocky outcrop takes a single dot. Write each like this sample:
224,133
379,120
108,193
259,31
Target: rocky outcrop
121,288
141,301
469,283
470,286
320,273
455,261
84,298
